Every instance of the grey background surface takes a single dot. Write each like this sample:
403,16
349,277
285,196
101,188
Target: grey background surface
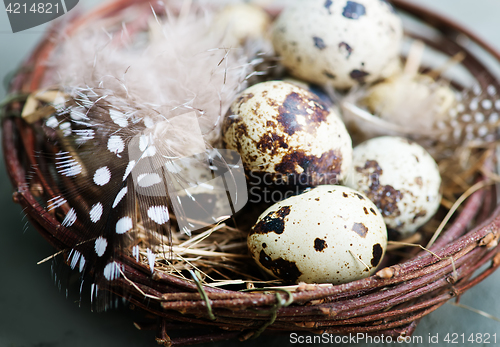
33,313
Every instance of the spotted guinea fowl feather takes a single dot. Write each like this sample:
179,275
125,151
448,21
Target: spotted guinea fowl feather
125,148
111,173
474,118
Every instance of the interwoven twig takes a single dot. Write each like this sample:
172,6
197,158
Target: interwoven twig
390,302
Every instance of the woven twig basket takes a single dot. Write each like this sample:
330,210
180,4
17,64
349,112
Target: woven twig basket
390,302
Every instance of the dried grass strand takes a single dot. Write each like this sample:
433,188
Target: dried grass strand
479,312
456,205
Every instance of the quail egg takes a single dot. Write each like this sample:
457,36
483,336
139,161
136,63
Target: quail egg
239,22
340,42
330,234
286,131
401,178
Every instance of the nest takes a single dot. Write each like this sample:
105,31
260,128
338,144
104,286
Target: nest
207,281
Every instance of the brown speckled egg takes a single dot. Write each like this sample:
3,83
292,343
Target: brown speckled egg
330,234
339,42
288,132
401,178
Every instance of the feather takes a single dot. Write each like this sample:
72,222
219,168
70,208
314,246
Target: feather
135,133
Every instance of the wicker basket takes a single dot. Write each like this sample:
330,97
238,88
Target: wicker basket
390,302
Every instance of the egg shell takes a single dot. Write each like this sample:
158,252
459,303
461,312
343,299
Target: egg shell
284,130
416,102
326,235
238,22
401,178
339,42
406,105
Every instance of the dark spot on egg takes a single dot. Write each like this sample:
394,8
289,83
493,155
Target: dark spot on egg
376,254
273,222
317,170
264,245
384,197
271,142
360,229
344,194
241,130
243,98
366,210
354,10
360,197
419,181
329,75
271,102
283,211
319,43
292,106
327,5
373,211
319,245
280,267
358,75
308,106
345,46
420,214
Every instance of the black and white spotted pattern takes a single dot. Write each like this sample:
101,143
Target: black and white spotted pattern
475,117
110,173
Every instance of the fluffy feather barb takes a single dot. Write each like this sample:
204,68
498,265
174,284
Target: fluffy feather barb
167,66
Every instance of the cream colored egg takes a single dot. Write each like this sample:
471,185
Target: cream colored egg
330,234
238,22
401,178
288,132
339,42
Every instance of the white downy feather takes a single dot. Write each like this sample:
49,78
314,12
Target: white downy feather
176,65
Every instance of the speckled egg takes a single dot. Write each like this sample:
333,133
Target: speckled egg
339,42
401,178
288,132
330,234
